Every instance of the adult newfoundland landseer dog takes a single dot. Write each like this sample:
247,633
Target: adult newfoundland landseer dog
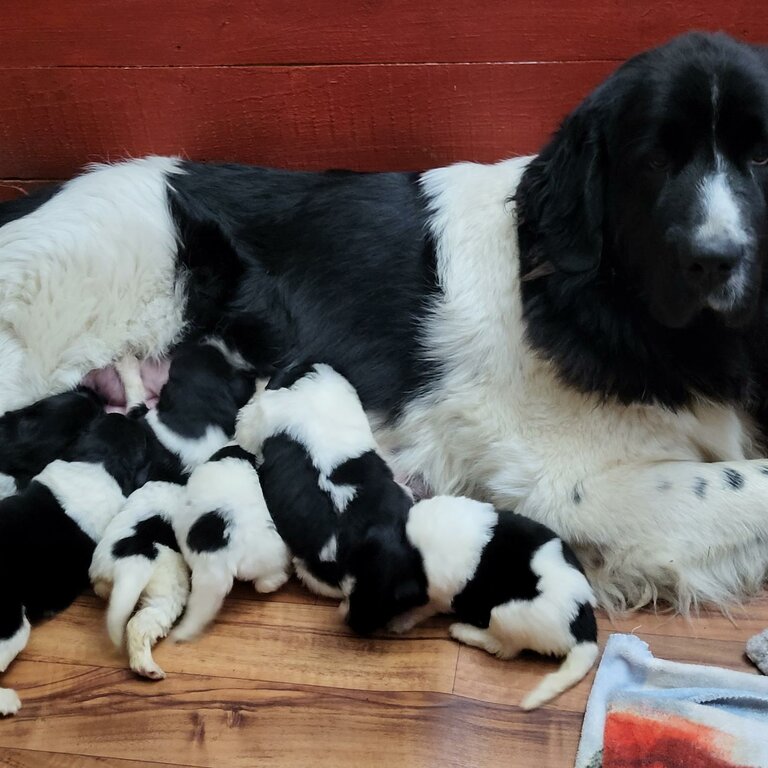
579,335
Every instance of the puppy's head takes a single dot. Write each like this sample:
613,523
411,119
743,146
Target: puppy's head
122,445
658,180
385,579
32,437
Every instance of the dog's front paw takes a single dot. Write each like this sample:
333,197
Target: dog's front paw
401,625
148,669
10,703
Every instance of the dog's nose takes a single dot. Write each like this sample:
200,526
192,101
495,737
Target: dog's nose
711,264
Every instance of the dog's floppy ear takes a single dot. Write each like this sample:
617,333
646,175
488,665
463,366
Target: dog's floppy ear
560,197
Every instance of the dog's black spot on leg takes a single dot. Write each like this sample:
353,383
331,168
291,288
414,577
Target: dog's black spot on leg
578,494
700,487
664,485
208,533
734,479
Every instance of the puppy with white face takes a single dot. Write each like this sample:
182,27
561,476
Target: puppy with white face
138,562
48,532
511,584
33,437
207,385
226,533
332,496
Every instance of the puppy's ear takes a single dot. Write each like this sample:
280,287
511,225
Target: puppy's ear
560,197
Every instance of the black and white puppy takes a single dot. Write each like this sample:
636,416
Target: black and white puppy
207,384
511,583
138,562
332,496
48,531
226,533
32,437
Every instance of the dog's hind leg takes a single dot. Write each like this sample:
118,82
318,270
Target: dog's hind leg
211,583
479,638
161,604
15,630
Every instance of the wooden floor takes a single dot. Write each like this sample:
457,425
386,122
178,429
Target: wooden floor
278,681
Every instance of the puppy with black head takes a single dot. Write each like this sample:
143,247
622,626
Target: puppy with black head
48,532
208,383
32,437
511,584
332,496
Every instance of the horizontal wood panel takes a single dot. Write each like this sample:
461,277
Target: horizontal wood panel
210,32
376,117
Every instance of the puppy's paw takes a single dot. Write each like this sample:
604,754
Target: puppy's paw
10,703
148,668
270,583
401,625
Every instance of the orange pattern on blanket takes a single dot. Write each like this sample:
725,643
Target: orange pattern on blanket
637,741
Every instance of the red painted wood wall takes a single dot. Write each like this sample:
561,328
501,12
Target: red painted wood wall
365,84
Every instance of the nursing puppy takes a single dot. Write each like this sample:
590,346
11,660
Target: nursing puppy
226,533
48,531
332,496
207,384
138,561
32,437
511,584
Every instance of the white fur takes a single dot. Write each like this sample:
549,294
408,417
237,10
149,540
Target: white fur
232,356
7,486
88,277
87,493
722,218
254,551
124,580
313,584
321,411
129,370
10,648
500,425
191,451
451,533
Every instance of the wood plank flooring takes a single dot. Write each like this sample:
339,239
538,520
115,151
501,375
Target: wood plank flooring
278,681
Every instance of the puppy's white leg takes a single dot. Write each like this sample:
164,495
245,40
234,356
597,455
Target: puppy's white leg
129,370
10,648
271,583
479,638
681,531
407,621
161,604
211,583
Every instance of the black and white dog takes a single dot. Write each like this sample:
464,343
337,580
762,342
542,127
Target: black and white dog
577,336
48,531
32,437
332,496
510,583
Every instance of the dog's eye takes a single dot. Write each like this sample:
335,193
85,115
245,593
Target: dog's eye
760,157
658,161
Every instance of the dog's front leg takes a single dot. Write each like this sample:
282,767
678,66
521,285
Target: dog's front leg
678,531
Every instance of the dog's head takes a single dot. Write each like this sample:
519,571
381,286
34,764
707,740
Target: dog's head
385,579
121,444
659,179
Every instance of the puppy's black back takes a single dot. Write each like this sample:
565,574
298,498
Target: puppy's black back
504,572
302,511
44,555
33,437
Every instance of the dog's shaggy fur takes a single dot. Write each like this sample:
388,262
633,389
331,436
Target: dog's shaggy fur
138,562
333,498
578,335
511,584
226,533
32,437
48,531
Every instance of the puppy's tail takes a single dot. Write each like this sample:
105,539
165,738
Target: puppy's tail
576,665
131,578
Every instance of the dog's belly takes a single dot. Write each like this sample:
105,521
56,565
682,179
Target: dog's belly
108,384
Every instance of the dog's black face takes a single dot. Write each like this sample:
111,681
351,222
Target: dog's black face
389,579
652,197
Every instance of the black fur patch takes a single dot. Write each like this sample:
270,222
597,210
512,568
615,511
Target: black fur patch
733,478
576,495
286,377
764,470
232,452
208,533
700,487
583,626
146,534
333,266
504,571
